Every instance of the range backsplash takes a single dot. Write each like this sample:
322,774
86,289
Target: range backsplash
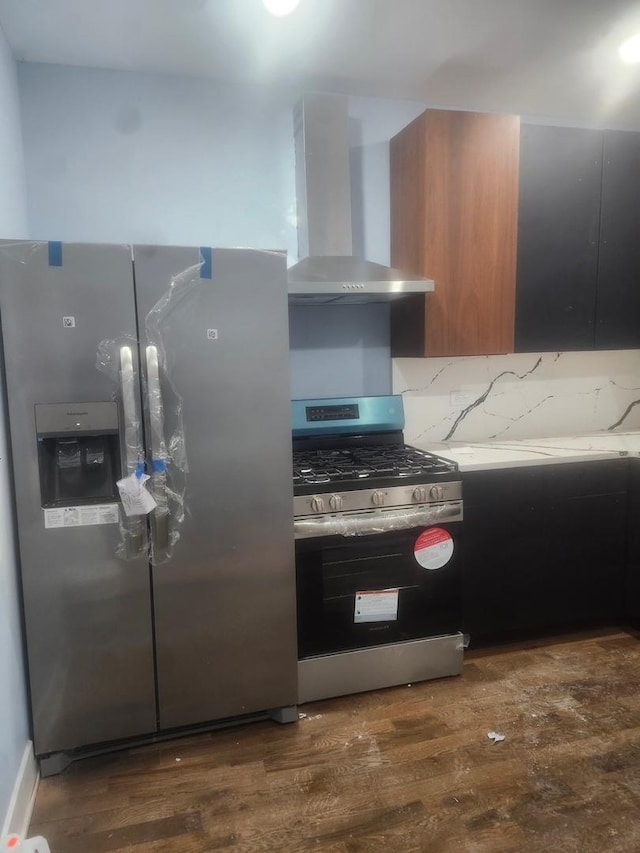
532,395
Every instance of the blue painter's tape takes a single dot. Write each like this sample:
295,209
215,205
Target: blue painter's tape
55,253
206,271
140,470
159,466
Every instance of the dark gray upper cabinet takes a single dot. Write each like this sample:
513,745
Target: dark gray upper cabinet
578,278
558,235
618,297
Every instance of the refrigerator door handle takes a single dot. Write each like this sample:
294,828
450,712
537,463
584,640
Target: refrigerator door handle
135,526
159,457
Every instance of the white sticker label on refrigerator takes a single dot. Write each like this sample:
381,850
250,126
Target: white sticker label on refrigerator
433,548
69,322
81,516
379,606
136,500
212,334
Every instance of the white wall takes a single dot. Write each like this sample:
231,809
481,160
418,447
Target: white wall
339,351
126,157
13,203
123,157
373,122
14,729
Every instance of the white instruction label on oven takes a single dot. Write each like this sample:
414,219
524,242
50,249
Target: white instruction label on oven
379,606
81,516
433,548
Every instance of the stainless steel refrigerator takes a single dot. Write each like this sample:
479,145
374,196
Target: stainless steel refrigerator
173,361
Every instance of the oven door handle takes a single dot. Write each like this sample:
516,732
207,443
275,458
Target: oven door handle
379,521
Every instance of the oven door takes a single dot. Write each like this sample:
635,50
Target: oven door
357,592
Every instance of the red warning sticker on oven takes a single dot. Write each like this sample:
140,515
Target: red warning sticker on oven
433,548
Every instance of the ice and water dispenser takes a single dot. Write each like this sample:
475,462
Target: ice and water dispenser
78,453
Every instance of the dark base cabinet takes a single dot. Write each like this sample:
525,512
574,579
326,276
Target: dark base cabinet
632,580
545,548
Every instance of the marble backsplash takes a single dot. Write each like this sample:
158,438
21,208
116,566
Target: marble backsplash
532,395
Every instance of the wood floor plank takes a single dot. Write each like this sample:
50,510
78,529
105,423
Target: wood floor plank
133,835
405,769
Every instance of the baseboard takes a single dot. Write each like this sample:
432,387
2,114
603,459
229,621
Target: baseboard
22,800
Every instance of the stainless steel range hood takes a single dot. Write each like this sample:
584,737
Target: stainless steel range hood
329,272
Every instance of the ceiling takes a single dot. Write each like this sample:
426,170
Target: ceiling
537,57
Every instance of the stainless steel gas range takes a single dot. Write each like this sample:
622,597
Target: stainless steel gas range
378,534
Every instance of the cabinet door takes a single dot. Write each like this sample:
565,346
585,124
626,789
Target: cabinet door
544,548
632,584
618,313
585,531
559,215
454,199
504,548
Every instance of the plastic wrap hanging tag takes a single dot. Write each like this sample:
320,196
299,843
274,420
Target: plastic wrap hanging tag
136,500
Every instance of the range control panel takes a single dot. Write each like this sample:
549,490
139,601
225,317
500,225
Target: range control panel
333,413
346,416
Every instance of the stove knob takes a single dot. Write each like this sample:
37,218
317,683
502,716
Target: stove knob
377,498
436,493
317,504
420,495
335,502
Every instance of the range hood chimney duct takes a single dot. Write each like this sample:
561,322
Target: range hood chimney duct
323,178
328,271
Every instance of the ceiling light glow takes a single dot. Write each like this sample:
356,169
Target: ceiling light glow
280,7
629,51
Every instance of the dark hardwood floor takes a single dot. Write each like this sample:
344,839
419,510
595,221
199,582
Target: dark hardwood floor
404,769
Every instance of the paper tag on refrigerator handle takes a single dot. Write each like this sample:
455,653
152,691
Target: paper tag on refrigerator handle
136,500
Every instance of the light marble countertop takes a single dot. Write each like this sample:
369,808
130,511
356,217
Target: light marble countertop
479,456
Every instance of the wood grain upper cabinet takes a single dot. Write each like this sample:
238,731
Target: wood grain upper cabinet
454,205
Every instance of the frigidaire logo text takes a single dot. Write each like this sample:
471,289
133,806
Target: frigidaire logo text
77,414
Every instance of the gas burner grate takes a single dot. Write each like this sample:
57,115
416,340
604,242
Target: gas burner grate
362,463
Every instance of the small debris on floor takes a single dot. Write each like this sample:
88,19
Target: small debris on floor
496,737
